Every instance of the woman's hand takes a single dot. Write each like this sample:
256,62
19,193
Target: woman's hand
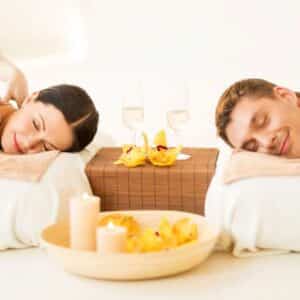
17,87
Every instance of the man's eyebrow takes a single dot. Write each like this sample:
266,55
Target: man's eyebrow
44,128
254,117
252,122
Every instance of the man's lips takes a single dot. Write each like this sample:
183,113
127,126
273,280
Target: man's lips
17,146
285,145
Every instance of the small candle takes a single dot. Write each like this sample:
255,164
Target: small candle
111,239
84,213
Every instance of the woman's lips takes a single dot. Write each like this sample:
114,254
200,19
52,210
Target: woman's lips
16,144
285,146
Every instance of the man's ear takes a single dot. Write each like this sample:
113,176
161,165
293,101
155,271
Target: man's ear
285,94
30,98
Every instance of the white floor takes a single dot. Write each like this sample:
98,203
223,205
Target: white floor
30,274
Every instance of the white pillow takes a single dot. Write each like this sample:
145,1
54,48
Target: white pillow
27,207
256,215
225,152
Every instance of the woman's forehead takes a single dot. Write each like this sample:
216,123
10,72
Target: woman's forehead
58,130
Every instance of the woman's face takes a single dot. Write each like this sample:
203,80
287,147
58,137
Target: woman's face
36,127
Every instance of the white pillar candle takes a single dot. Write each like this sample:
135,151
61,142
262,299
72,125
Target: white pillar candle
111,239
84,212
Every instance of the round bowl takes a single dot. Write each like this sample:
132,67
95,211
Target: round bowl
132,266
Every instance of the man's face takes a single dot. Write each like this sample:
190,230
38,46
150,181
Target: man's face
267,125
36,127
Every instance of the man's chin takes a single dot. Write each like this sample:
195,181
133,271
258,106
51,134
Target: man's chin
292,155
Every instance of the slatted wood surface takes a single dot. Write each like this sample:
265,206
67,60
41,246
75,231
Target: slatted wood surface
182,186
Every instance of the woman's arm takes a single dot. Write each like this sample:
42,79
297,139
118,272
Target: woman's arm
17,87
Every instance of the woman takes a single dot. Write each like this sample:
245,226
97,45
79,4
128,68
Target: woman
61,118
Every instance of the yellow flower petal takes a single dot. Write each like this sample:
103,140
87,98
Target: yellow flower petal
160,139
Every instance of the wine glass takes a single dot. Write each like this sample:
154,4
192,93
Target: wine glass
133,111
178,114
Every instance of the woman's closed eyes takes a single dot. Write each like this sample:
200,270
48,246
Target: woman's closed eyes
37,127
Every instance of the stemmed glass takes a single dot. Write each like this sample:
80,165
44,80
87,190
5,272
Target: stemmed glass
133,111
178,114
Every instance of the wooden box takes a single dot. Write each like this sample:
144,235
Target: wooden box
182,186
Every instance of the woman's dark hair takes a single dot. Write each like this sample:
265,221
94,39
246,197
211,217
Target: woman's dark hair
78,110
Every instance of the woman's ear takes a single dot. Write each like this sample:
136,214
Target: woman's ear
30,98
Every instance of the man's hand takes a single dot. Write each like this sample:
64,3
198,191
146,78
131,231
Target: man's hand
17,88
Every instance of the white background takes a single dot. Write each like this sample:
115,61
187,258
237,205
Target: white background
106,46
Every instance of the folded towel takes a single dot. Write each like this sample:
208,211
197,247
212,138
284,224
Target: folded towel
247,164
27,167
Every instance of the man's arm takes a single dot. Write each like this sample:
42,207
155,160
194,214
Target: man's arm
17,86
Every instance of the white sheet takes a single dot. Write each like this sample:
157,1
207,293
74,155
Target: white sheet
256,216
222,276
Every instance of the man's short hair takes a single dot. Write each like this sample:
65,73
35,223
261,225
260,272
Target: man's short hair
252,88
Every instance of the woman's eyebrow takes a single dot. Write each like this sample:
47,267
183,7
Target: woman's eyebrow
44,128
43,122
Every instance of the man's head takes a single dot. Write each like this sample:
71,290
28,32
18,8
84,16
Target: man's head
256,115
60,118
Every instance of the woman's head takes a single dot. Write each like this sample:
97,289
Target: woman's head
61,117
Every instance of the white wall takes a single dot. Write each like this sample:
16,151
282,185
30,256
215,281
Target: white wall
209,43
32,27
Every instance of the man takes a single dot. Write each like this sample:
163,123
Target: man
257,115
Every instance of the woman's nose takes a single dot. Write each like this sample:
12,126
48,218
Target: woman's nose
34,144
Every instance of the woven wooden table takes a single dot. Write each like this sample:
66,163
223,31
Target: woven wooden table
182,186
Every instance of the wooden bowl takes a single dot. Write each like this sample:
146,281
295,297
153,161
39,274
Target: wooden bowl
132,266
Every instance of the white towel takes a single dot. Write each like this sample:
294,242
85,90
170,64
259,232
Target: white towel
247,164
26,167
257,216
